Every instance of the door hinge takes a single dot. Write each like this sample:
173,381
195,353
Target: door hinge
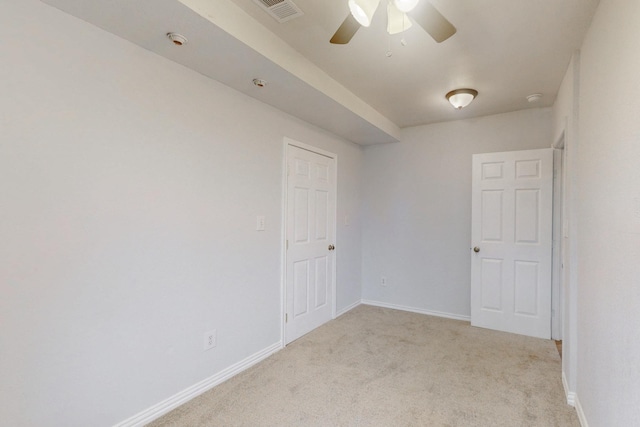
286,245
286,318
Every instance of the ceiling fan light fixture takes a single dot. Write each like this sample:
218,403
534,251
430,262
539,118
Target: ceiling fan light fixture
397,21
405,5
460,98
363,10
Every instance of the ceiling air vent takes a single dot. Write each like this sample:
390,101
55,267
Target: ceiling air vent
281,10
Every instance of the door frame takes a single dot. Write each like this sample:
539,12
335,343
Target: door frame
285,199
566,142
558,248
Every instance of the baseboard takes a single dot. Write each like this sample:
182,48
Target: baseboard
417,310
581,416
571,396
348,308
159,409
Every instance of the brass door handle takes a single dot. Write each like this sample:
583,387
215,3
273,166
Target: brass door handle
476,249
331,247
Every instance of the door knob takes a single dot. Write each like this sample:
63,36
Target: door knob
331,247
476,249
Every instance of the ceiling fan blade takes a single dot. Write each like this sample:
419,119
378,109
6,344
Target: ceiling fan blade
346,31
432,21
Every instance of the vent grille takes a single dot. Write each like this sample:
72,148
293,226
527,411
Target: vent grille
270,3
280,10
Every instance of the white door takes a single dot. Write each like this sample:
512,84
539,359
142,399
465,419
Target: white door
511,235
311,221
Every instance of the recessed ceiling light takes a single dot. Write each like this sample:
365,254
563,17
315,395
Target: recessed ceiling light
535,97
177,39
259,82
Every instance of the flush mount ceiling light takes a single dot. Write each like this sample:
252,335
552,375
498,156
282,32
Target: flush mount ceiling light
460,98
177,39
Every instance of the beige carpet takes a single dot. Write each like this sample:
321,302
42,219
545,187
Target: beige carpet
381,367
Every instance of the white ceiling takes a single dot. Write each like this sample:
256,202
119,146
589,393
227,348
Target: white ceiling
505,49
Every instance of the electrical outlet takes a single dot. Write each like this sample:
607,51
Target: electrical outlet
210,339
383,281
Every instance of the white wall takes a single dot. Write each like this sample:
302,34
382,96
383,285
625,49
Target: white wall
417,199
129,189
608,210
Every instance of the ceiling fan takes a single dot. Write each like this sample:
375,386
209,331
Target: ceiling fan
422,12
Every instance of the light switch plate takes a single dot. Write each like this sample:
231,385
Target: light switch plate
260,220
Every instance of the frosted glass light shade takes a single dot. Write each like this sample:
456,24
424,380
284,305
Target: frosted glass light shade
405,5
363,10
397,21
460,98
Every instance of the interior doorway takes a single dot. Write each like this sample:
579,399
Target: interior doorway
310,235
511,232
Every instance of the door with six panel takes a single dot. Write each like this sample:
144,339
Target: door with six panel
311,221
511,241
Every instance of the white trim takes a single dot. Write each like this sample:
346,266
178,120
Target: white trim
417,310
348,308
283,242
571,396
167,405
559,143
581,417
289,141
571,227
556,243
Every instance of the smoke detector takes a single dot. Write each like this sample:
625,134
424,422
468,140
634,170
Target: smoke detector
535,97
177,39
